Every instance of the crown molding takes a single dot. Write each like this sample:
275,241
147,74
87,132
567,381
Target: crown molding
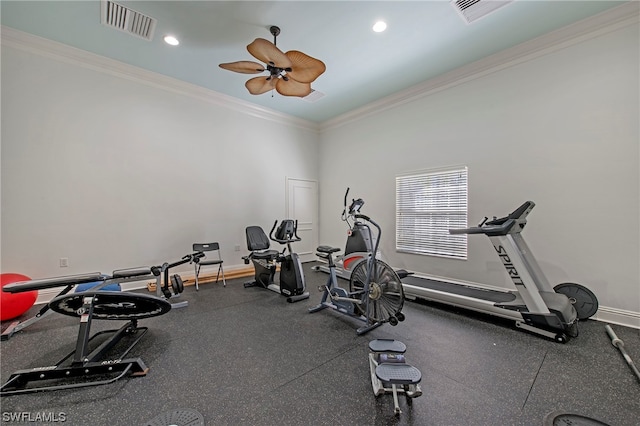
30,43
589,28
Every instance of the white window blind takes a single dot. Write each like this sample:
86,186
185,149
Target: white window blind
427,206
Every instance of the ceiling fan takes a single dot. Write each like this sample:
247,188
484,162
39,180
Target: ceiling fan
290,74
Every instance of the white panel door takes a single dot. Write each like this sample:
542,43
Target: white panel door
302,205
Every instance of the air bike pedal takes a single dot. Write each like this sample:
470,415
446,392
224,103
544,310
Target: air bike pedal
390,372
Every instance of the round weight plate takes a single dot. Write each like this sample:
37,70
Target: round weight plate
583,299
177,284
174,284
111,305
178,418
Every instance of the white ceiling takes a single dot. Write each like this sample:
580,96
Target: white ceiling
424,39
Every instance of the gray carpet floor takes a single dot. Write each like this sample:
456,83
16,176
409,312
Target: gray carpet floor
247,357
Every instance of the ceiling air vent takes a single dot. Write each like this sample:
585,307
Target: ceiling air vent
472,10
313,96
128,20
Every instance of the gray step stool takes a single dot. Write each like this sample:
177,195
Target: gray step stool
390,373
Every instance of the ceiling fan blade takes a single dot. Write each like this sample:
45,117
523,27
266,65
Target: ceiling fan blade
293,88
305,69
260,85
244,67
268,53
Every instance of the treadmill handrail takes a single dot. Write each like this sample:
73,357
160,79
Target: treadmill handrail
499,226
489,230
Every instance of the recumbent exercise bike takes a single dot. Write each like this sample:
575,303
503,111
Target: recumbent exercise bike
292,283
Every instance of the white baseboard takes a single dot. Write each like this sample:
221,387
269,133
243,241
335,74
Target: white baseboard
618,316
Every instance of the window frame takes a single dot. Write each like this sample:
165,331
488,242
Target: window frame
428,204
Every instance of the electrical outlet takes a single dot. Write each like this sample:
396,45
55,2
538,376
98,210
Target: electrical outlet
64,262
237,247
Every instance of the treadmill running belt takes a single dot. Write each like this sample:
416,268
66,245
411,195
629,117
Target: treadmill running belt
459,289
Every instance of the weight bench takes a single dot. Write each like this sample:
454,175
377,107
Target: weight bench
390,373
88,365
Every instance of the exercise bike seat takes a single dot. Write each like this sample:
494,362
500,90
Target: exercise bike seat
387,345
267,254
327,249
398,374
258,244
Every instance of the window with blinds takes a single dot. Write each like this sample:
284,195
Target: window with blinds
428,205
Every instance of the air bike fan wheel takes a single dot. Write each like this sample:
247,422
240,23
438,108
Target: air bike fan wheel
386,295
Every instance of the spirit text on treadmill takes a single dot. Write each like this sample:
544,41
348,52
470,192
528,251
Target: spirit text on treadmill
506,261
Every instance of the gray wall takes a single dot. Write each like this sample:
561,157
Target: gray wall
560,129
111,172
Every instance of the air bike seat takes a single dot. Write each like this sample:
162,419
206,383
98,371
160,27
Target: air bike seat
93,362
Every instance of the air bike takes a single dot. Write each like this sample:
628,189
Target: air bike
375,294
102,358
534,305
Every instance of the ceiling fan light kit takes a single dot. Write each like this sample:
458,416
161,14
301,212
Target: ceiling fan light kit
290,73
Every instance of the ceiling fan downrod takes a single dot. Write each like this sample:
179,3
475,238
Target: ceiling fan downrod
274,71
275,31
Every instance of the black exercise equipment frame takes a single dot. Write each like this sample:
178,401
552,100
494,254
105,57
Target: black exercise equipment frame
89,363
163,279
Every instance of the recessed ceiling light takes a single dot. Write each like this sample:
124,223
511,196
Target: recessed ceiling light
171,40
379,26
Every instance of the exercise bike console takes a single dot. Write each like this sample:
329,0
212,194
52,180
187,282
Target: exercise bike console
355,206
